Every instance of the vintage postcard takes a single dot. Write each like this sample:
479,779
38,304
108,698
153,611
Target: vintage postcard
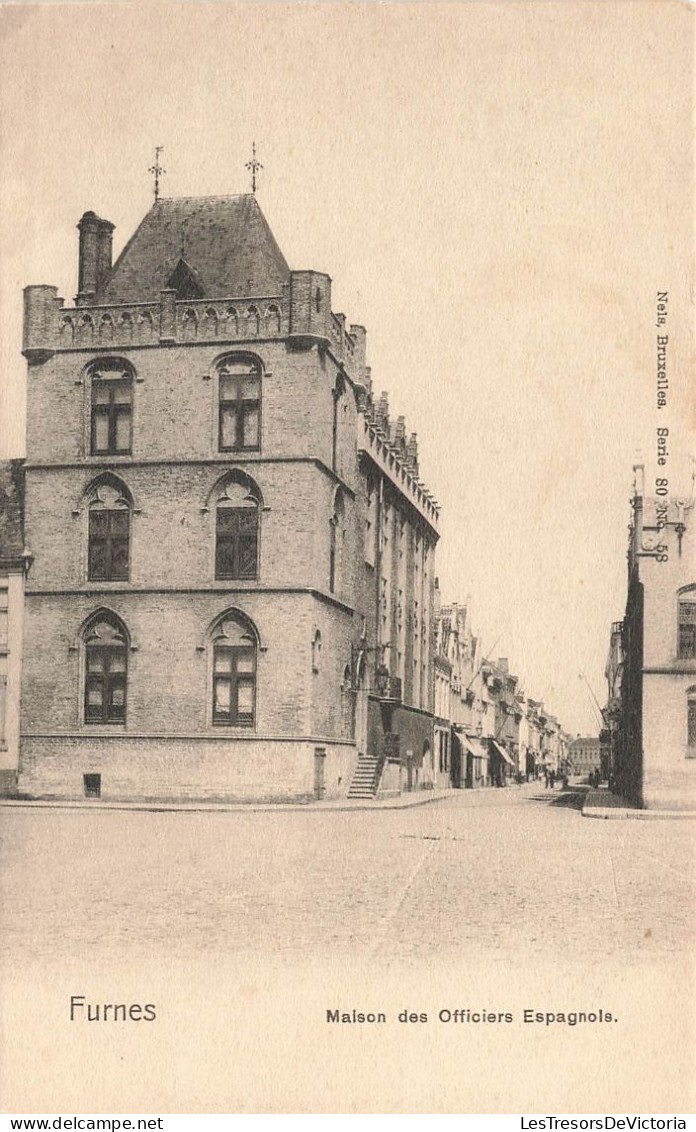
347,558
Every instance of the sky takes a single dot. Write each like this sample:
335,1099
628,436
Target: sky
498,192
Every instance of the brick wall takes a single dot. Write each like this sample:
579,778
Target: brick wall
223,770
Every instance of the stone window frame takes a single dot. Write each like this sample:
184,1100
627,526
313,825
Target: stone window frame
113,619
254,645
240,478
229,358
108,362
82,510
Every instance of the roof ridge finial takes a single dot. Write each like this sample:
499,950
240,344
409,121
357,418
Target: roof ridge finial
157,169
253,166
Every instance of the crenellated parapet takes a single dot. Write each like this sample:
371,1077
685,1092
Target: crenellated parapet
301,313
389,459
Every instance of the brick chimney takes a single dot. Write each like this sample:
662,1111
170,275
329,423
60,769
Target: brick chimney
96,236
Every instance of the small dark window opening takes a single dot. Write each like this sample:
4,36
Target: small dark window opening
92,785
317,300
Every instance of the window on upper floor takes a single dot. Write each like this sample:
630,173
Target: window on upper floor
106,650
111,392
691,723
237,530
109,532
239,428
235,646
687,625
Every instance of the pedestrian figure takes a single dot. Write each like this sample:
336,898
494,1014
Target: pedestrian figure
552,776
546,779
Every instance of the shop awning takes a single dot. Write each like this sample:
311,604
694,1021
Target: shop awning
502,752
475,747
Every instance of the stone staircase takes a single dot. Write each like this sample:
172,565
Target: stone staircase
366,777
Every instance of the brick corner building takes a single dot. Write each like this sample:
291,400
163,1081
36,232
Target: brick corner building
232,587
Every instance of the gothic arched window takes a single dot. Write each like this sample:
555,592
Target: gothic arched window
237,511
239,427
106,651
111,388
235,646
109,532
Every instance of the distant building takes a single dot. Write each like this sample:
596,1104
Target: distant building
503,744
652,682
472,710
584,755
13,563
531,732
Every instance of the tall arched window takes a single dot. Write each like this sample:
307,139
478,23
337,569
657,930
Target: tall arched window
235,645
109,531
237,530
111,387
106,669
686,643
337,393
336,539
316,651
239,427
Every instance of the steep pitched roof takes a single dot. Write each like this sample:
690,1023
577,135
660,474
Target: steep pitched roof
227,244
11,509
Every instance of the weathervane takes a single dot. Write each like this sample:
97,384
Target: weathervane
157,169
253,166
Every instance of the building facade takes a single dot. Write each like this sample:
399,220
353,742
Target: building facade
13,564
584,755
654,736
233,579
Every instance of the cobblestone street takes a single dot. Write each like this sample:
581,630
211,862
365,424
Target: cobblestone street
483,872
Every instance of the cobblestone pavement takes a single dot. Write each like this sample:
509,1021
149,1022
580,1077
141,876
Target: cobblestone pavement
480,872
